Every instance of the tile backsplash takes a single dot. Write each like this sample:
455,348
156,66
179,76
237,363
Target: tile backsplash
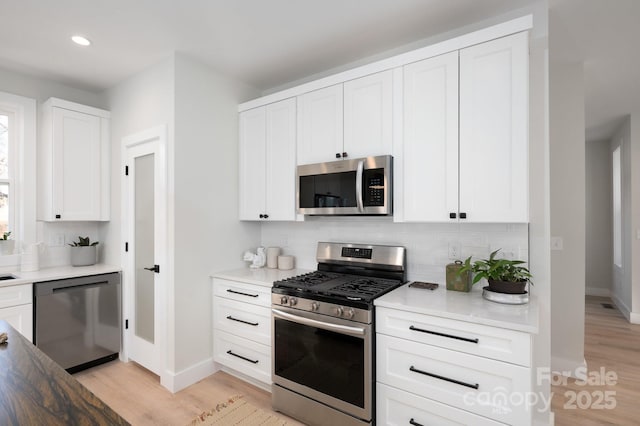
429,245
57,235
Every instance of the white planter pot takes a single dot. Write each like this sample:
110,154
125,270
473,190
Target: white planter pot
83,255
7,246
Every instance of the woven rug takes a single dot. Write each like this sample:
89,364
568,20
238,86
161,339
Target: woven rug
237,411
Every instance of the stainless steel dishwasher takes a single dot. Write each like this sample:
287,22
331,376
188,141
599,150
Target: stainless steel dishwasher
77,320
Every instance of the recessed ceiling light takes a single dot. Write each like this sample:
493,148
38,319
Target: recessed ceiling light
82,41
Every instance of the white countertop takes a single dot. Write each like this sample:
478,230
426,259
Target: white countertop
260,276
57,273
470,307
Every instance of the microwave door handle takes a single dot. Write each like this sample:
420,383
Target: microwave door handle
359,172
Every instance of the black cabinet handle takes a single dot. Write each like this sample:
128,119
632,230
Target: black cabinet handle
338,155
266,216
414,423
450,336
463,215
252,361
446,379
241,293
261,216
242,321
452,215
58,216
344,155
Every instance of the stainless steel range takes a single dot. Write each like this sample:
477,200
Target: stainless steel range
323,333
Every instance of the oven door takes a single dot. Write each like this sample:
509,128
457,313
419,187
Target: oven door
326,359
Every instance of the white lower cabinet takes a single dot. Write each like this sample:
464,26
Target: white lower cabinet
439,371
397,407
242,328
16,308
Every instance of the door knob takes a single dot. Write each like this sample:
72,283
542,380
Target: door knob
155,268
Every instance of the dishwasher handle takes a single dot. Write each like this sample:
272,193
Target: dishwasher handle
45,288
79,286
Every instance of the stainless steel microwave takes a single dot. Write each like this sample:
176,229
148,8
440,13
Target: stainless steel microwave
361,186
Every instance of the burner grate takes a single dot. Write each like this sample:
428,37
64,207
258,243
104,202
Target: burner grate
309,280
364,288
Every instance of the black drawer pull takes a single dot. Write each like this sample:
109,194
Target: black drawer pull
242,321
414,423
451,336
252,361
446,379
241,293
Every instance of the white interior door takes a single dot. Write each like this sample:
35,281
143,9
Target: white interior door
145,213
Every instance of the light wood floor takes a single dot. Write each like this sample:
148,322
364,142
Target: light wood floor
611,343
136,394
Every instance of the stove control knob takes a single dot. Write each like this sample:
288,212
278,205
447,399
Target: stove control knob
284,300
350,313
314,306
338,311
292,301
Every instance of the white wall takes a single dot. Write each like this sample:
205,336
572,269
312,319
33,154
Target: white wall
42,89
621,292
208,235
567,155
599,246
141,102
427,244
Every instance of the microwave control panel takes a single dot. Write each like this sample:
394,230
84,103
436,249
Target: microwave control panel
373,187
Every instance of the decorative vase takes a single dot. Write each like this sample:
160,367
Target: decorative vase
507,287
7,246
457,281
83,255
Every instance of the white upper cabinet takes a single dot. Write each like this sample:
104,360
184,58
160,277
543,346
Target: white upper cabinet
267,162
494,130
73,158
349,120
430,148
320,125
368,115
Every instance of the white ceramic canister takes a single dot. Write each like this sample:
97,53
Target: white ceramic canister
30,258
285,262
272,257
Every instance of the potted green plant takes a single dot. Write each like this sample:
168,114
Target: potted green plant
83,252
503,275
6,245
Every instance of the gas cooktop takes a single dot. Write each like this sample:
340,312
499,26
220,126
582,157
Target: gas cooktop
350,274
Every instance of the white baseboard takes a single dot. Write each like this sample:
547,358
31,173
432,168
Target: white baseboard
597,291
622,307
567,367
177,381
634,317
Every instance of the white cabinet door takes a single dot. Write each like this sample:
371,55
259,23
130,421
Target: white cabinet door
320,125
73,163
267,162
21,318
430,146
368,115
253,145
494,130
281,160
76,165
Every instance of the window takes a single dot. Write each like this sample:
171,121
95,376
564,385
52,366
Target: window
617,208
7,208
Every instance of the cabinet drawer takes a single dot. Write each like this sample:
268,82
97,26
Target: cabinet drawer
491,342
16,295
480,385
397,407
242,319
20,318
248,357
243,292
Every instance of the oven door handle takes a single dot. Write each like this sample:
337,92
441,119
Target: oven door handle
359,172
342,329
